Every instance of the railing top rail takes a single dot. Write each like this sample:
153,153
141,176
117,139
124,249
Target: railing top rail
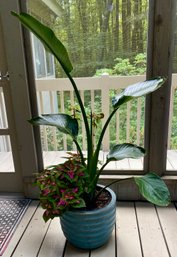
93,83
88,83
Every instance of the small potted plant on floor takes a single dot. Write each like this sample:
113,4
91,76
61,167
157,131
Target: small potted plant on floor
70,190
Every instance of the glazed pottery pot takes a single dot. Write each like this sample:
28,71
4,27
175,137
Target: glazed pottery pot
90,229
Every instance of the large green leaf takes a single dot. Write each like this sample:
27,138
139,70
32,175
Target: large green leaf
63,122
47,36
126,150
153,188
137,90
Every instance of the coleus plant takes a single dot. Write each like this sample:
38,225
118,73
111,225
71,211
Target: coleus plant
151,186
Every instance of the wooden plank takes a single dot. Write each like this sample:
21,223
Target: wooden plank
169,166
117,165
106,250
21,228
36,233
136,164
53,157
75,252
6,162
33,236
172,158
152,240
168,220
54,242
123,164
128,243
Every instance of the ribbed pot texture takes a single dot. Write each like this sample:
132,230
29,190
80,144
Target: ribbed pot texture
90,229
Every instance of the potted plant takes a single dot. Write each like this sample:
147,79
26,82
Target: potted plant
70,190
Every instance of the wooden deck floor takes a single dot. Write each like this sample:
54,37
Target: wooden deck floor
55,157
142,230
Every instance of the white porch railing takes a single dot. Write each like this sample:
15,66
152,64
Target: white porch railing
51,99
55,94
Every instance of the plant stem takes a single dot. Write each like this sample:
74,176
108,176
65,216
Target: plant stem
95,159
104,165
94,181
113,182
80,151
89,139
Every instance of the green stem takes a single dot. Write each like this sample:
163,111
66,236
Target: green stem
80,151
113,182
95,159
89,139
104,165
91,129
95,180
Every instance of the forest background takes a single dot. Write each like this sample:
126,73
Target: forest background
108,36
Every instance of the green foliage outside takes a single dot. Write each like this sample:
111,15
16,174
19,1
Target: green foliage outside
97,32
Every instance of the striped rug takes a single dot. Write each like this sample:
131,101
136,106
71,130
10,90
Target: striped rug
11,212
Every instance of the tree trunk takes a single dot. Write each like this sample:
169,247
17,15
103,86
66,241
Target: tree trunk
116,28
104,29
137,33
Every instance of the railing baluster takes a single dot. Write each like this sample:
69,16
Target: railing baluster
138,127
5,140
54,135
128,122
117,123
104,82
83,127
3,118
63,111
72,104
117,127
43,128
92,94
92,100
171,115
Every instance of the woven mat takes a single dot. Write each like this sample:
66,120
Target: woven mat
11,212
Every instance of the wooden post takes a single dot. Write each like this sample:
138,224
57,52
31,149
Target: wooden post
159,63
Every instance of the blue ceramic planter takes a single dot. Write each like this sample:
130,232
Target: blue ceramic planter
90,229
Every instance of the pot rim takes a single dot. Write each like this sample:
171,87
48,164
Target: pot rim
108,206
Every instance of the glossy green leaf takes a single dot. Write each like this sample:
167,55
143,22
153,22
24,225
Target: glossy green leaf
63,122
126,150
80,203
137,90
47,36
153,188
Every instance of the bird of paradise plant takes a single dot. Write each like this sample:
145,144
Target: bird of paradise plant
151,186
